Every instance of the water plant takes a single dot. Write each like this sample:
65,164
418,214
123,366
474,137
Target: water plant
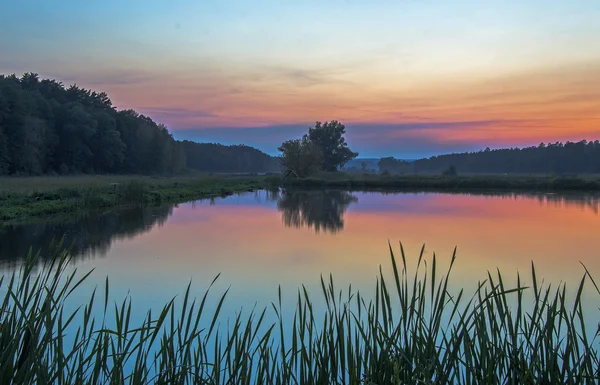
413,330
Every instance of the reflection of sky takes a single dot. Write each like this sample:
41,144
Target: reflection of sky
245,239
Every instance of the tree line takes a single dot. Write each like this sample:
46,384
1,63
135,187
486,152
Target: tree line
213,157
47,128
559,158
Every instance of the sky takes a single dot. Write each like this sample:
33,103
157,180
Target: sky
407,78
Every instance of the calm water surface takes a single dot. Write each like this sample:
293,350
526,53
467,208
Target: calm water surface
262,240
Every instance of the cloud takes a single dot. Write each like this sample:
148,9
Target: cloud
162,114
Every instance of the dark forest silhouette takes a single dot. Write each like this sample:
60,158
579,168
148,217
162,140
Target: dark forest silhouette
559,158
47,128
212,157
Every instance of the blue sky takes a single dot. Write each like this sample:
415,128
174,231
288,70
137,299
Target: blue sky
408,78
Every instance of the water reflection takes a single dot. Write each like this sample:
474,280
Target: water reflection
318,210
568,200
321,210
89,235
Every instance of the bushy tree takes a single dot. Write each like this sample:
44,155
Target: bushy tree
301,156
329,137
323,148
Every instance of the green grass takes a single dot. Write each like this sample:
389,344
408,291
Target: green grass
415,331
24,198
35,197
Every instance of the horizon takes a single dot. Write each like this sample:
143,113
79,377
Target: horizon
409,80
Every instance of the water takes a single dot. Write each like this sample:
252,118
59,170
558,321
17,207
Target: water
260,241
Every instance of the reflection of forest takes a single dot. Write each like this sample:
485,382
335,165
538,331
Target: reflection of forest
322,210
89,235
589,202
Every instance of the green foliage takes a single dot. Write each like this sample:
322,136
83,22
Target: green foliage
93,198
329,137
132,193
416,330
46,128
323,148
42,196
301,156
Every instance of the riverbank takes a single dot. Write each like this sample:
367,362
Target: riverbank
26,198
440,183
36,197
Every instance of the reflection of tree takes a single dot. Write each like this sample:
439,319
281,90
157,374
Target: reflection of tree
321,210
88,235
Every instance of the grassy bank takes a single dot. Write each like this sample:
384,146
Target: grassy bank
447,183
415,331
22,198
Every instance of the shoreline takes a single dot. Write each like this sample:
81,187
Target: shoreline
71,195
28,198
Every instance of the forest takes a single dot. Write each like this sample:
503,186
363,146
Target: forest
581,157
47,128
213,157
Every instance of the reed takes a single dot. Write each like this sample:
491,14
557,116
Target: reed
413,331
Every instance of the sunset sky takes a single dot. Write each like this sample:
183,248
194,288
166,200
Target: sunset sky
408,78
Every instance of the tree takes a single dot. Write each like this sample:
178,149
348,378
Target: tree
4,158
302,156
3,152
329,137
451,171
107,146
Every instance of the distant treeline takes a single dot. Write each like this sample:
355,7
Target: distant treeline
212,157
558,158
47,128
